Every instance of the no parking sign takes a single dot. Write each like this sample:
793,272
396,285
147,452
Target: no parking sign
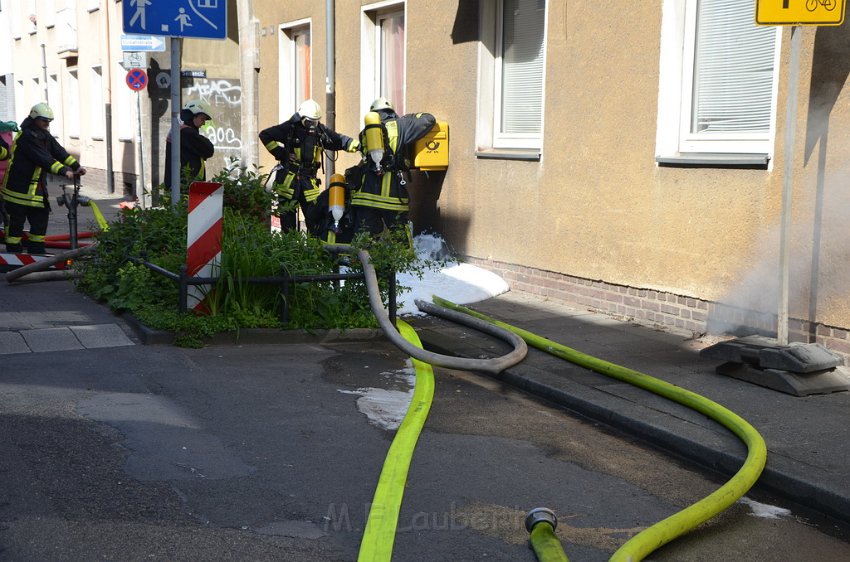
137,79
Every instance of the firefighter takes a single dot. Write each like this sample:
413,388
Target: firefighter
33,152
298,145
381,201
195,148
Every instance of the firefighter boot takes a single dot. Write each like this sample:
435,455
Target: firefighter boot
14,248
36,247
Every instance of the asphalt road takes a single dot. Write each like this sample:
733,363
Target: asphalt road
272,452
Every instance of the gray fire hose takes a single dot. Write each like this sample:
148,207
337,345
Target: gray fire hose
493,365
50,261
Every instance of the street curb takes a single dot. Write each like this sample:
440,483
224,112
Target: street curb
779,483
259,336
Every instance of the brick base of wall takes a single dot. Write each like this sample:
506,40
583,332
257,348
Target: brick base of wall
663,310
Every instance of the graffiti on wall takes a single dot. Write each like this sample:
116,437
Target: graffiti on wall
225,129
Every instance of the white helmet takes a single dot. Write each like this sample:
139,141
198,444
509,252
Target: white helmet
381,103
198,107
41,111
309,109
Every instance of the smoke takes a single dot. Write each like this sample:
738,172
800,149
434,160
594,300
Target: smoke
819,262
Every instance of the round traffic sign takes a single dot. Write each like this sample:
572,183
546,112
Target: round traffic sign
137,79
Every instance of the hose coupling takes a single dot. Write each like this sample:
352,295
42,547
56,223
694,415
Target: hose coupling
539,515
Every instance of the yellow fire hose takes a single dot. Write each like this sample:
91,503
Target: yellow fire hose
98,216
679,523
541,524
379,536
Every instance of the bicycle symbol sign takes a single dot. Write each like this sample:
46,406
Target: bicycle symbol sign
800,12
137,79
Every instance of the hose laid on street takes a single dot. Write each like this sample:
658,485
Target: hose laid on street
53,275
541,523
41,265
494,365
679,523
379,536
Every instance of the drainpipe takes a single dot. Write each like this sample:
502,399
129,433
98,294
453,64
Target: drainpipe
106,65
44,72
330,99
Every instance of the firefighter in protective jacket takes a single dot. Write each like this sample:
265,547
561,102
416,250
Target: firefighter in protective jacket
33,152
195,148
382,200
298,145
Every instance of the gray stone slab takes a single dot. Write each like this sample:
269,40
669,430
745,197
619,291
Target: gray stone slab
51,339
101,335
12,342
16,321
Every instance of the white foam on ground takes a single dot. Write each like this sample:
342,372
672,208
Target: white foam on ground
764,510
460,283
386,408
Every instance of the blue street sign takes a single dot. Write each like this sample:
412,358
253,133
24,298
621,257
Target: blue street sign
203,19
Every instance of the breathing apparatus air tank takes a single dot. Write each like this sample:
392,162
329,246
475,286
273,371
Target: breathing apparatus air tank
336,198
374,138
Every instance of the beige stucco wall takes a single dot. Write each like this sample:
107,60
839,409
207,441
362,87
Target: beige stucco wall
596,205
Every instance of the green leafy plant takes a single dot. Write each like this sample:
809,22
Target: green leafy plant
254,262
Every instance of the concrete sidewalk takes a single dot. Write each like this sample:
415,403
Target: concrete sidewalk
808,450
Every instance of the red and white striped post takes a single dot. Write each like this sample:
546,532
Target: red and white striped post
203,246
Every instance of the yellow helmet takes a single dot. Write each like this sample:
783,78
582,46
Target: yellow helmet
41,111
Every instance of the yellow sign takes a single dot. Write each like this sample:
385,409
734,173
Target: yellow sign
799,12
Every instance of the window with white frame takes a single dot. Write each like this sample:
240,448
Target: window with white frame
383,54
73,97
296,65
49,13
97,118
511,75
718,69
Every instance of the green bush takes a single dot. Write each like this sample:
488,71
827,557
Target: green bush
249,251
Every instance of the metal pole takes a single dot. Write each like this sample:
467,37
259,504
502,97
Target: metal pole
176,44
106,69
785,230
141,196
330,103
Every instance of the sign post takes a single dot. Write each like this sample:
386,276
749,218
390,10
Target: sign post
794,13
200,19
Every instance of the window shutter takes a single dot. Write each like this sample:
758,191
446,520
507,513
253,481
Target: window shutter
733,69
522,66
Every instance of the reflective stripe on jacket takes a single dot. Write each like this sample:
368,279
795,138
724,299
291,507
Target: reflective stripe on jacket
34,150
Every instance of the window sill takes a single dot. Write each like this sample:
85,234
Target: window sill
714,160
531,155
